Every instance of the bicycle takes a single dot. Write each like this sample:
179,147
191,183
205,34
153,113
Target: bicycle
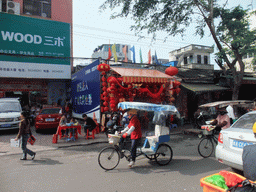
206,145
109,157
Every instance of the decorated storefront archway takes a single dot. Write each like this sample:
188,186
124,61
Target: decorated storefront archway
120,84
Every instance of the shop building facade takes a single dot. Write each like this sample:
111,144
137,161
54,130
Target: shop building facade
36,50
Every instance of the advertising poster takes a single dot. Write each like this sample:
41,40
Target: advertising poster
85,91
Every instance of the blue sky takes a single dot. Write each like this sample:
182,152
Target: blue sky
92,28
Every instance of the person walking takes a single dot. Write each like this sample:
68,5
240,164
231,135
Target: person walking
24,134
134,131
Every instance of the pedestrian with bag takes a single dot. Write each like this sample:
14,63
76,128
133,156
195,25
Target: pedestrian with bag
24,134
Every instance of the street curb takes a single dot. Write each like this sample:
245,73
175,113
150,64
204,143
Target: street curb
82,144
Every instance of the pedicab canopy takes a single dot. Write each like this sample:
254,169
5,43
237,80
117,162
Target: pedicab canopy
149,107
221,104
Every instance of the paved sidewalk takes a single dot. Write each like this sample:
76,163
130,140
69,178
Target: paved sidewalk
46,144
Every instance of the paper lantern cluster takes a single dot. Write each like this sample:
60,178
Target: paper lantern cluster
114,90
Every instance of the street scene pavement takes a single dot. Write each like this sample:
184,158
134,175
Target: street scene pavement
44,141
74,167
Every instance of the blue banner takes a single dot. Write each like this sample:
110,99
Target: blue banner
85,91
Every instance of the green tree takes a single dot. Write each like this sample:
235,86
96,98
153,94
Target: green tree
229,28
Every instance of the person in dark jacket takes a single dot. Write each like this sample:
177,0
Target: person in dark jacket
24,134
89,123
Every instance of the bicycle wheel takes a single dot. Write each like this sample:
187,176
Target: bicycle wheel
109,158
205,147
163,154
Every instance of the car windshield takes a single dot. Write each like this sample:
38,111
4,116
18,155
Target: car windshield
9,107
51,111
246,121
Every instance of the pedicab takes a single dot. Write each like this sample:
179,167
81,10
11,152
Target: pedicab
154,147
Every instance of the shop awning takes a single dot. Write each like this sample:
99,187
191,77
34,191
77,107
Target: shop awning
199,88
131,75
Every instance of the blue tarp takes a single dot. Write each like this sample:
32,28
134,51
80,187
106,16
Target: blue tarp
148,107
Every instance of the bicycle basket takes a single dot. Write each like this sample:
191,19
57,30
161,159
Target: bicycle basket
113,139
207,129
205,132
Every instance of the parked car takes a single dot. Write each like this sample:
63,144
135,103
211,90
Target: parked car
232,140
48,118
10,110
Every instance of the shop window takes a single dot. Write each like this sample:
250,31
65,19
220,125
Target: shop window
199,59
185,60
37,7
205,59
191,59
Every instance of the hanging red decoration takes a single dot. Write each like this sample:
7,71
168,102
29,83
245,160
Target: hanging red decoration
103,78
177,90
104,93
111,79
112,106
171,71
176,84
106,109
152,95
104,84
103,67
105,103
104,88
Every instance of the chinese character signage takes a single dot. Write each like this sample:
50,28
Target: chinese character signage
34,48
85,88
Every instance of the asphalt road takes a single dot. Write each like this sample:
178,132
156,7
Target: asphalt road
77,169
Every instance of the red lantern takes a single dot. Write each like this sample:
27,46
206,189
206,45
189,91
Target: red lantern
176,84
106,109
105,103
104,84
103,78
177,90
103,67
104,88
112,105
104,93
171,71
112,80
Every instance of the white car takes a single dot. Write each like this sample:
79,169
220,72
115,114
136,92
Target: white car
232,140
10,110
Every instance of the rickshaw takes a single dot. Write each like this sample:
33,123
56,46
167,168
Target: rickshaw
206,144
155,145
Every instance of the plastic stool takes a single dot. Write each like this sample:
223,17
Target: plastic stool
92,135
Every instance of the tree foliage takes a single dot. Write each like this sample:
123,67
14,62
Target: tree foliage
229,28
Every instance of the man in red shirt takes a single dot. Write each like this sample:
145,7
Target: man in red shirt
134,131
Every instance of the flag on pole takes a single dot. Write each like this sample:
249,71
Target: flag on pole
125,53
114,52
149,56
133,51
156,60
141,61
109,53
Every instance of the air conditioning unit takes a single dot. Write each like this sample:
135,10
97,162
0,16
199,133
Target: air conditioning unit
12,7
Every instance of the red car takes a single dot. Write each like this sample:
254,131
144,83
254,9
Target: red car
48,118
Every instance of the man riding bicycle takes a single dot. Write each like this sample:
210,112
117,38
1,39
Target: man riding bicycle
134,131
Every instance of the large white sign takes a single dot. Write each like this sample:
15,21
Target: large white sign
32,70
